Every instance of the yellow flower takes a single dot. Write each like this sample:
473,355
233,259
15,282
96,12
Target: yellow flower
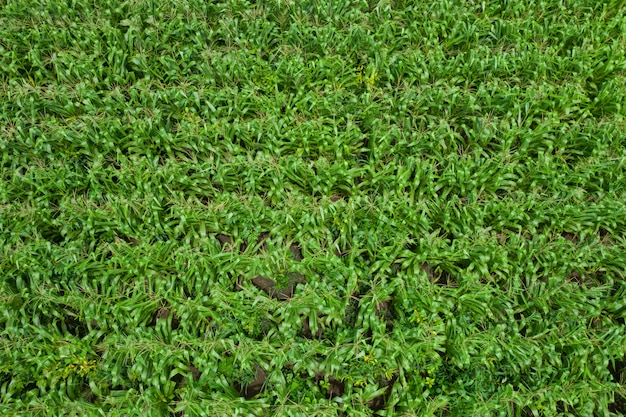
369,359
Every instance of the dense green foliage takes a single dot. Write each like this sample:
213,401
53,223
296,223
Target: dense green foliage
312,207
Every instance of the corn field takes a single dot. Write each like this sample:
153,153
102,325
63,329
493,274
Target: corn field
313,208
